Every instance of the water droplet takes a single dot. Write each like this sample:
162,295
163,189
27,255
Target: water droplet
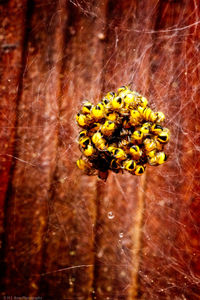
101,36
111,215
122,274
100,253
121,234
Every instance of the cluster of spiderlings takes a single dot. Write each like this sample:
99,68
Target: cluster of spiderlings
120,133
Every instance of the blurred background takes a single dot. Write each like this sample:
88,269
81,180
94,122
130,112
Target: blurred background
64,235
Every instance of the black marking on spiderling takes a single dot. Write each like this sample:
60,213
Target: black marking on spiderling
119,100
86,143
131,165
158,127
114,164
163,138
116,151
81,135
140,170
106,101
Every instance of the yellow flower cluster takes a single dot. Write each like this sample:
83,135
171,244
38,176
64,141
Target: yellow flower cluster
120,133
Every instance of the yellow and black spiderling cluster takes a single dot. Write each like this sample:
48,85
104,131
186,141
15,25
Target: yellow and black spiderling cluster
120,133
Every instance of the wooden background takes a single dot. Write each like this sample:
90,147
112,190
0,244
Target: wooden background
64,235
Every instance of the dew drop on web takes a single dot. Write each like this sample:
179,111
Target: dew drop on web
121,234
110,215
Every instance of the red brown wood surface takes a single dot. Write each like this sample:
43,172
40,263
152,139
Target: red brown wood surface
70,239
36,145
162,205
12,32
70,236
120,199
170,241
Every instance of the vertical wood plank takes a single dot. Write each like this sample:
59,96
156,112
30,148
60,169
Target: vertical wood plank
70,237
12,34
187,242
35,153
165,271
120,208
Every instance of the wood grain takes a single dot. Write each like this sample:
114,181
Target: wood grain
70,238
165,263
120,200
36,143
12,35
